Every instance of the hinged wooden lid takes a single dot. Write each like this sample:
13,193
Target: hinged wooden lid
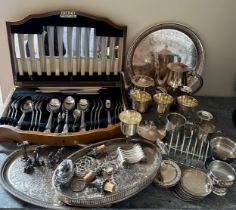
66,48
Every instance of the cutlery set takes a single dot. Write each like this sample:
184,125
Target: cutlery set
62,114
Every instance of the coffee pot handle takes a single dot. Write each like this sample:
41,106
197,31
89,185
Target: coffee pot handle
200,81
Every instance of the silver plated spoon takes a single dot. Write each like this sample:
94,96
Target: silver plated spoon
53,106
83,106
26,107
67,106
76,114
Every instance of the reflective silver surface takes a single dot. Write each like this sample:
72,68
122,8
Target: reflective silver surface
150,131
36,188
128,180
223,148
169,174
196,182
222,174
176,38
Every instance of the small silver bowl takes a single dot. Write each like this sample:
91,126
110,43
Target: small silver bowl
222,174
141,100
223,148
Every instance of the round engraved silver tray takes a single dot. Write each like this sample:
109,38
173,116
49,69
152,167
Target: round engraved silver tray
128,180
35,188
177,38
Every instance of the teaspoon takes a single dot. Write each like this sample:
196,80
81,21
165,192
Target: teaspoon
108,107
26,107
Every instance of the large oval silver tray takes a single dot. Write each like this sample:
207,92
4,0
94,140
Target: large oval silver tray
36,188
174,37
128,180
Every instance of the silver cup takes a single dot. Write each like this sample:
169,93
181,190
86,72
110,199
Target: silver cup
163,102
187,105
175,127
130,120
174,120
204,130
141,100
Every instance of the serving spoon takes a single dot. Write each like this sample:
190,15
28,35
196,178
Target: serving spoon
26,107
53,106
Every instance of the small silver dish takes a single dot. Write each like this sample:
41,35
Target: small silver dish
223,148
168,175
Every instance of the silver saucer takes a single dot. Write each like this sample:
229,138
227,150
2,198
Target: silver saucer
196,183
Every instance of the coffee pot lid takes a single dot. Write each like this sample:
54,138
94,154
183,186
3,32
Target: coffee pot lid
165,51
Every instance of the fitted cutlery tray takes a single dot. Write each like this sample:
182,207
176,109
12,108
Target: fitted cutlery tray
64,54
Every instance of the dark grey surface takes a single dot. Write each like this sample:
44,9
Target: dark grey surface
153,196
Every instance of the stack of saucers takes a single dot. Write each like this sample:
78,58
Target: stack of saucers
194,185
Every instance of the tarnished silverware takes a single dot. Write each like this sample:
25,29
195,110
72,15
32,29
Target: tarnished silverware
83,106
26,107
67,106
16,106
92,121
108,107
58,122
76,115
53,106
40,116
132,155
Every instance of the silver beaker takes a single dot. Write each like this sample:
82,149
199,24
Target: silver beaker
130,120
